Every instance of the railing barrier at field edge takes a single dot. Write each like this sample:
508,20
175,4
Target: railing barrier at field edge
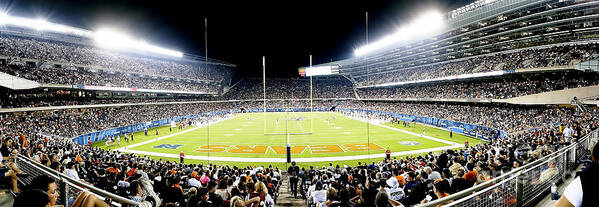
526,185
68,188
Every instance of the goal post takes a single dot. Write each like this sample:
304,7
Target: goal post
288,120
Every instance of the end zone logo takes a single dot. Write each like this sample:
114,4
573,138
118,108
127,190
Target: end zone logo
409,143
169,146
314,149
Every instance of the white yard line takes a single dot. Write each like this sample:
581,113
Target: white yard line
407,132
308,159
167,136
453,145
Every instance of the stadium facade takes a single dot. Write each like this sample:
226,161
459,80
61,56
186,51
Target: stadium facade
483,28
42,43
491,51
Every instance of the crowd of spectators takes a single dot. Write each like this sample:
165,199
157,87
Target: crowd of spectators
154,182
86,65
337,88
526,58
497,88
72,122
44,136
17,102
419,179
62,52
287,104
251,89
132,71
76,76
508,118
400,180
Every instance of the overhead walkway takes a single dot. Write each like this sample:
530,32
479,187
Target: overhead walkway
554,97
16,83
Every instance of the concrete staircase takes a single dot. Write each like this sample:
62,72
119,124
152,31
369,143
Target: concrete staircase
285,198
6,199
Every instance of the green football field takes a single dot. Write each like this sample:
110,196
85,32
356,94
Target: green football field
265,135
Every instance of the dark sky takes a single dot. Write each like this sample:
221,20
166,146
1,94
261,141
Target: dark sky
241,32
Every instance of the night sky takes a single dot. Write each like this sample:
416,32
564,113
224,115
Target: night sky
241,32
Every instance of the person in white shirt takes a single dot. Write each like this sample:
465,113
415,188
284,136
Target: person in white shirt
194,182
71,172
394,191
319,195
582,190
568,132
312,187
432,175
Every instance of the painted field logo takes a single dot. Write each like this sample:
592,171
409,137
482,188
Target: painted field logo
169,146
409,143
281,150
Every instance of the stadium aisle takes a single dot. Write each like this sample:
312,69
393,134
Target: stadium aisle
285,198
6,200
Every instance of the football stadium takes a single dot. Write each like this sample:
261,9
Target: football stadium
476,103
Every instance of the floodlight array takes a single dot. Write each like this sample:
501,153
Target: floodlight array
104,37
428,24
41,25
112,39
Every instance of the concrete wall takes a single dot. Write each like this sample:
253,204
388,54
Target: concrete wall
16,83
554,97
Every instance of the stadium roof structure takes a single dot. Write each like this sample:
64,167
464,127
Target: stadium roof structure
485,27
40,28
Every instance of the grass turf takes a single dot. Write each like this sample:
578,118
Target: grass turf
250,129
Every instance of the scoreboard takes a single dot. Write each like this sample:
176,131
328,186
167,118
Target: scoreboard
319,70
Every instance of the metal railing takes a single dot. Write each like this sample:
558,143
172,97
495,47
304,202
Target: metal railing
526,185
69,188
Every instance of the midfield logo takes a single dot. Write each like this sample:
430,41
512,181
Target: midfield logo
169,146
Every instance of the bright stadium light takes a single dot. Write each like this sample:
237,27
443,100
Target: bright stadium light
105,38
112,39
41,25
428,24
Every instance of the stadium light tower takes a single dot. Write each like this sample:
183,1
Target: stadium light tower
426,25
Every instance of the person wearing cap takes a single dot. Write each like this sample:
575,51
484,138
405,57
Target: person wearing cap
214,198
393,189
292,172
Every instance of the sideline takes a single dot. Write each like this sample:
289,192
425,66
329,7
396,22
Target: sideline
408,132
453,145
122,149
305,159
